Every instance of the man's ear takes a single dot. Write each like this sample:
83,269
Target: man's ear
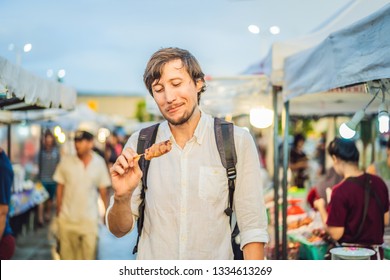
199,85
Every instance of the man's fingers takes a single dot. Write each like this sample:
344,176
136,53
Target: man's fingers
117,169
129,155
121,160
127,160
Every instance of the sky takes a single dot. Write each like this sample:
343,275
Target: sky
104,45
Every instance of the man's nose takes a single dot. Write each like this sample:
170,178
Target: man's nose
170,94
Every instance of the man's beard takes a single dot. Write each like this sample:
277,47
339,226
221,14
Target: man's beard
182,120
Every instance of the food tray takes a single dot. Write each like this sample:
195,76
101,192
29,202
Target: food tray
308,250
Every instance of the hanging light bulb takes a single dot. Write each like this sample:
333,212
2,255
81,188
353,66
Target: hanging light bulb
261,117
383,118
348,130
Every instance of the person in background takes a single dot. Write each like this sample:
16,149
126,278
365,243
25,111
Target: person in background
344,214
323,188
113,149
49,157
80,179
298,161
187,187
7,240
321,154
382,169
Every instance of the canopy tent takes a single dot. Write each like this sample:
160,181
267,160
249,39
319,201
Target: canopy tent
273,64
355,54
349,56
332,103
21,90
234,96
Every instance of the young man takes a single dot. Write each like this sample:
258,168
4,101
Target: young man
80,178
187,187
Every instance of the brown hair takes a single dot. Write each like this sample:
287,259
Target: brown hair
153,70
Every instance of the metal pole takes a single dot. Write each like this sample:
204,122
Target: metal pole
9,141
286,119
276,170
373,139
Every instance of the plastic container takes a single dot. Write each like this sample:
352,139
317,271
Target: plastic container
310,251
386,252
351,253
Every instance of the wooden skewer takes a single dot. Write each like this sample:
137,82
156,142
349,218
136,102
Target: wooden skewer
138,156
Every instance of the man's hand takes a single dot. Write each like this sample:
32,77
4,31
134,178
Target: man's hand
125,174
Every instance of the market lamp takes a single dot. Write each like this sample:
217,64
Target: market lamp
261,117
348,129
383,118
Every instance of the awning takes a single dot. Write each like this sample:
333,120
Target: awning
21,90
352,55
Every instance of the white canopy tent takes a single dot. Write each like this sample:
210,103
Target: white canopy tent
347,57
334,102
273,63
355,54
21,90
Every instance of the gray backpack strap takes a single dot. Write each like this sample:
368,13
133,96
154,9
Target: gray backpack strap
146,138
224,137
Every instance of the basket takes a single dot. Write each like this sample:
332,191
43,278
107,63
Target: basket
308,250
386,252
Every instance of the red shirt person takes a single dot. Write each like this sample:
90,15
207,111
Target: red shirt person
344,213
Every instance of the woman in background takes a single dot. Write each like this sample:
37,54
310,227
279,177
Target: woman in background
344,217
49,157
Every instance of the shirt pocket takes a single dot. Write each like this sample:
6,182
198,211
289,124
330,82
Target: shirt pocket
212,183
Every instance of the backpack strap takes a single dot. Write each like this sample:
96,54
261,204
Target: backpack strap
146,138
368,192
224,137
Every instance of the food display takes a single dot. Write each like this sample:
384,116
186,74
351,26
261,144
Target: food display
299,223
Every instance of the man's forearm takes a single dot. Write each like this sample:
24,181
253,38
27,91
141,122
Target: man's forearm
3,218
120,217
254,251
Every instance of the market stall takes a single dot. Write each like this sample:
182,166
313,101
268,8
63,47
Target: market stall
334,102
25,98
351,57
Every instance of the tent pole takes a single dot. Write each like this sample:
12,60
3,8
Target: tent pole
373,139
276,171
285,121
9,141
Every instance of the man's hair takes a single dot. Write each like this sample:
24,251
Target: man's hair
153,70
344,149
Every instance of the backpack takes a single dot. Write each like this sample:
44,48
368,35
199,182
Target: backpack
224,137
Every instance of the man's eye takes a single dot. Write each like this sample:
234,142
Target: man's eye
176,84
157,90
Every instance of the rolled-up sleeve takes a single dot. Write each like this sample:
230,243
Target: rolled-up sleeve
248,197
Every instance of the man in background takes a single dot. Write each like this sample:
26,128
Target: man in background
80,178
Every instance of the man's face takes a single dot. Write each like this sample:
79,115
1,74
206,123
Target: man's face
83,147
176,94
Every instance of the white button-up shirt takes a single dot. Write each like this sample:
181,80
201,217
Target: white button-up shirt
188,193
